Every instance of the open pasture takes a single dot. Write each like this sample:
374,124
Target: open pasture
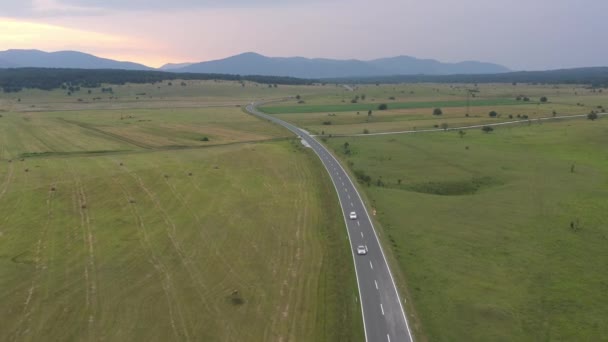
499,236
127,226
411,106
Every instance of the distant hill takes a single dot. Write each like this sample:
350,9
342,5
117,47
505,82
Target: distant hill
255,64
6,64
174,66
62,59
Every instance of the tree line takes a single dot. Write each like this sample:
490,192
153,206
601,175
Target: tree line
15,80
596,77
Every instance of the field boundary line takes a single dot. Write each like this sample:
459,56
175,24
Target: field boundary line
520,122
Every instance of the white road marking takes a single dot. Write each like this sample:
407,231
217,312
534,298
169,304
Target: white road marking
342,183
348,196
388,337
361,234
345,189
358,224
351,204
375,282
370,265
382,308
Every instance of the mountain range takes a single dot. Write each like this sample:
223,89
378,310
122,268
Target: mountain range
62,59
255,64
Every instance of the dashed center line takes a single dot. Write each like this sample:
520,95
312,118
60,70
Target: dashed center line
375,282
370,265
351,204
358,223
382,309
388,337
361,234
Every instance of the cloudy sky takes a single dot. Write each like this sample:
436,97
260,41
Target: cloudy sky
520,34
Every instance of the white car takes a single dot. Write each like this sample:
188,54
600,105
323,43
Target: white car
361,250
353,215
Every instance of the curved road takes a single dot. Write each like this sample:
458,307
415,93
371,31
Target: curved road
383,314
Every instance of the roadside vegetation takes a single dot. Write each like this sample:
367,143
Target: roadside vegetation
498,236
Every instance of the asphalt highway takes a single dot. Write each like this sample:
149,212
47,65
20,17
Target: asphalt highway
383,313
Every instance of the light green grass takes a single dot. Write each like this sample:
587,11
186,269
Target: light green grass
411,106
495,258
238,242
374,106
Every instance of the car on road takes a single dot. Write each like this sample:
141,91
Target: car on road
353,215
361,250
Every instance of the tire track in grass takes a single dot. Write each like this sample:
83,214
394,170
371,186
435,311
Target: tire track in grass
24,323
88,240
208,246
7,180
171,230
156,262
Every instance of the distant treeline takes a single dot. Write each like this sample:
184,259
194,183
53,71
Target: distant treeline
596,77
14,80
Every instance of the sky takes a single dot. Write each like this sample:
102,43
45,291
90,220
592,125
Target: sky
520,34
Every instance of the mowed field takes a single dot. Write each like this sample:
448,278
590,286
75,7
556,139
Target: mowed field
500,236
129,226
410,106
167,94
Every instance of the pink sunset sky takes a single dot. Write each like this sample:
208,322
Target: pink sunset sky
530,34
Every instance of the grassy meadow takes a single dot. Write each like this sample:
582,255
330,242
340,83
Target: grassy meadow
411,106
121,222
500,236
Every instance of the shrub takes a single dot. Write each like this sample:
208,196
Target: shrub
437,111
487,129
383,106
493,114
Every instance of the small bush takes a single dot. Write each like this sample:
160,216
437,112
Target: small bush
383,106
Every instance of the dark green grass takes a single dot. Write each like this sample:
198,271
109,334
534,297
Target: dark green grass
374,106
520,258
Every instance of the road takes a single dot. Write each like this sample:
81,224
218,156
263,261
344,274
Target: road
383,313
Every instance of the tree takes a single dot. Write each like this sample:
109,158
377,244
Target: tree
487,129
383,106
461,133
369,112
493,114
346,145
298,97
437,111
592,116
543,99
365,131
444,126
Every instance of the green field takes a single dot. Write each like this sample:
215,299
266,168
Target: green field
410,106
124,225
374,106
499,237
